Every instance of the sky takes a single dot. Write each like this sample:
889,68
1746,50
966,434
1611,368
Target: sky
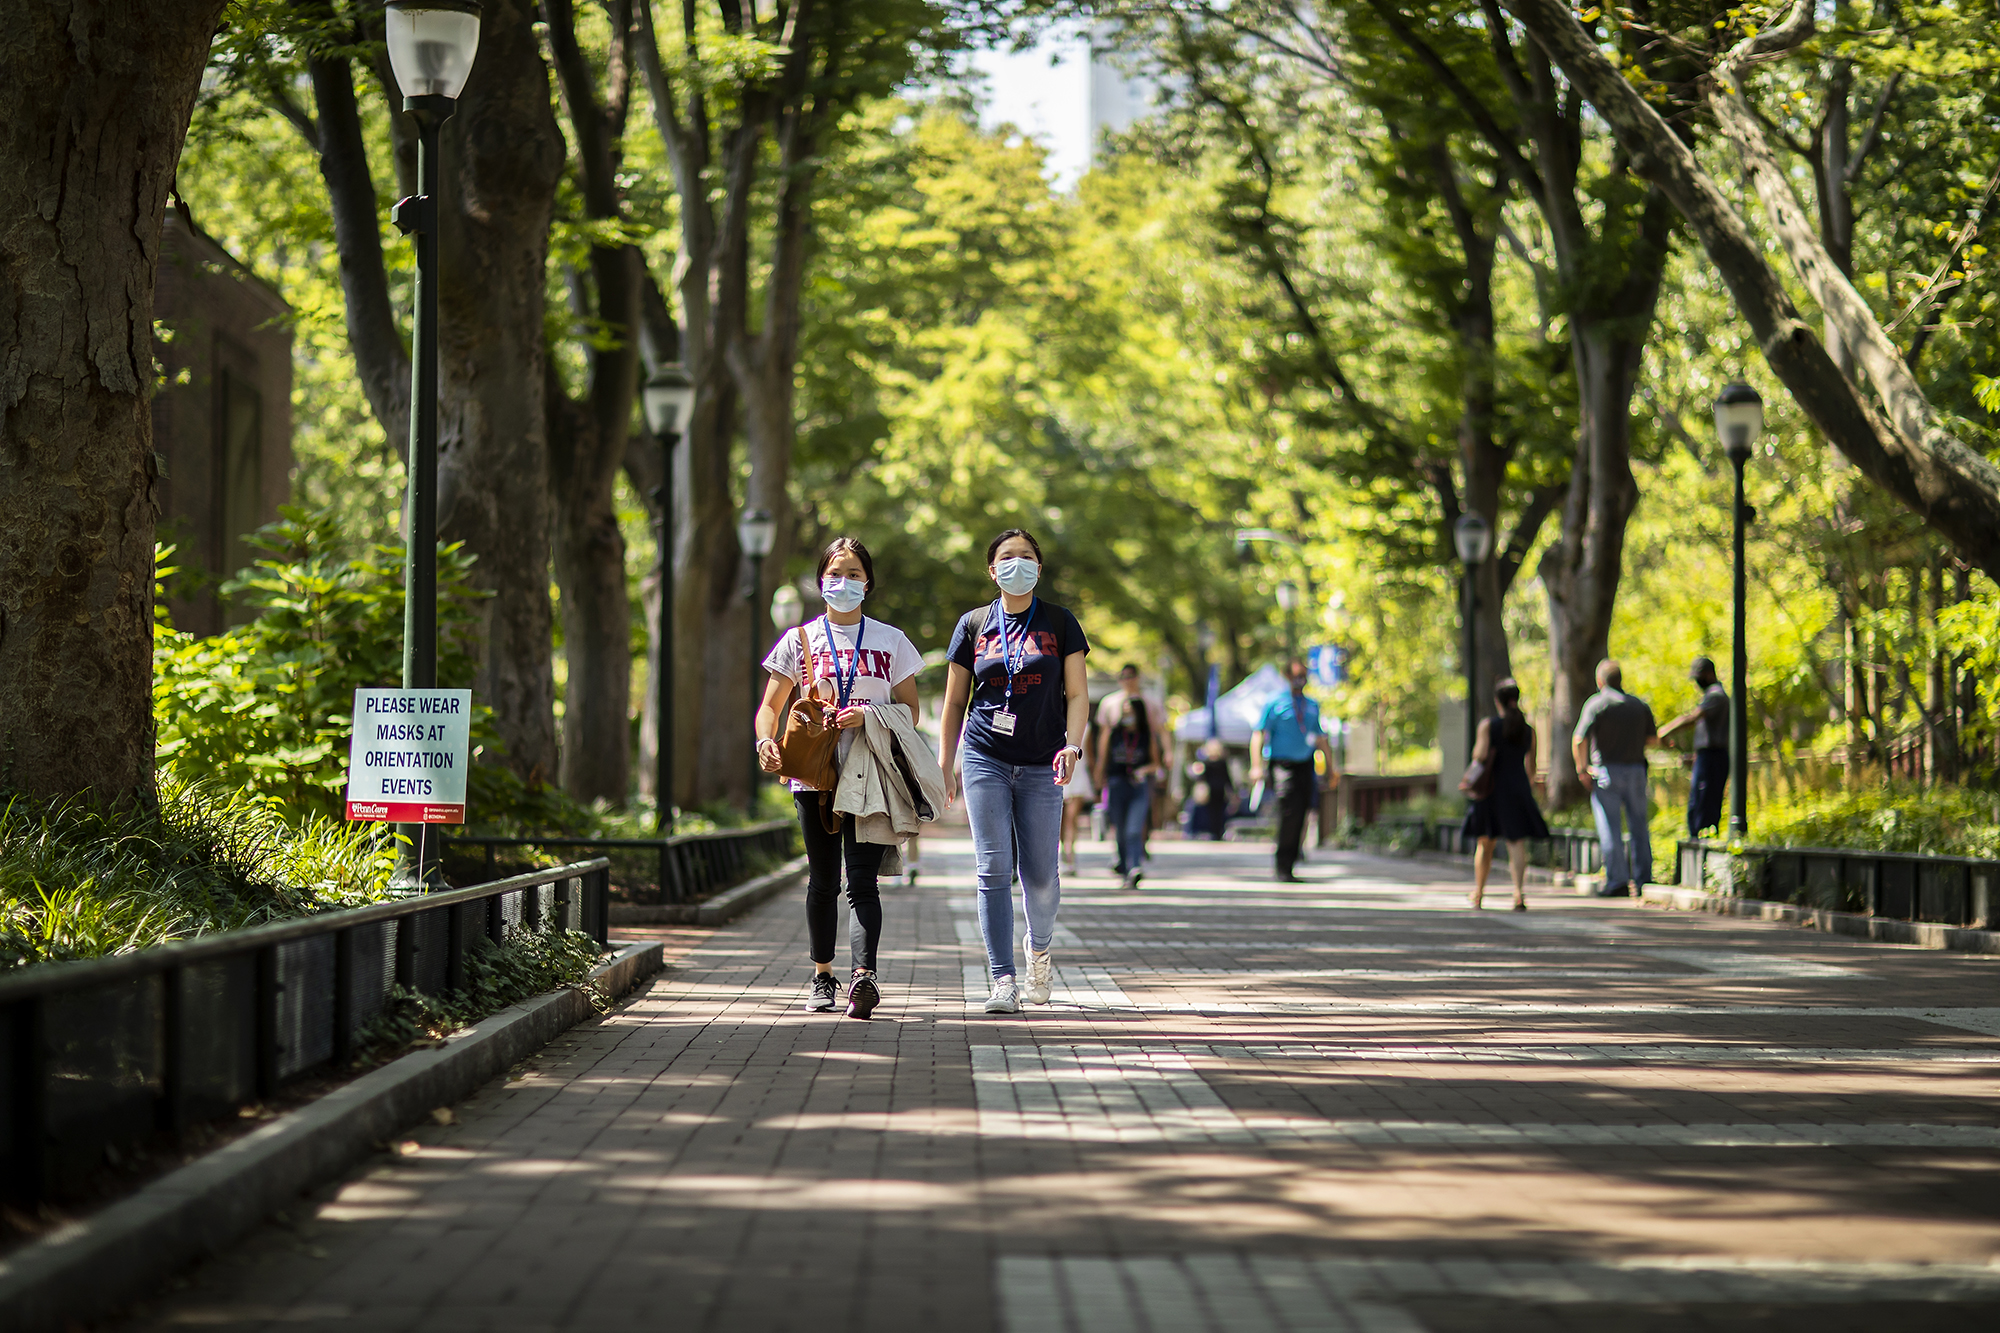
1051,103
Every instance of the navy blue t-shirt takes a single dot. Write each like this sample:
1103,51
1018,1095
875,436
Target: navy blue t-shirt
1039,707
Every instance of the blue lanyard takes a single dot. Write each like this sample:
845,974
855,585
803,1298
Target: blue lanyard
844,685
1008,660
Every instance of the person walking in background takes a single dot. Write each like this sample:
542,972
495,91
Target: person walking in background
1015,685
1129,755
1109,710
864,663
1213,791
1616,727
1710,716
1078,796
1506,745
1284,740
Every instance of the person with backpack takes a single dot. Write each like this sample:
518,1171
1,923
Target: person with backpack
857,663
1015,688
1507,810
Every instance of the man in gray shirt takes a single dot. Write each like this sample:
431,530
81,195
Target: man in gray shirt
1617,727
1710,717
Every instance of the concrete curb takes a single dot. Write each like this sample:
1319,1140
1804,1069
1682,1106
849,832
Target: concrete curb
1887,930
722,908
124,1252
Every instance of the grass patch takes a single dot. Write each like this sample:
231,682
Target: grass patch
79,880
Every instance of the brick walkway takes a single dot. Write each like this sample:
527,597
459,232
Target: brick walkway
1344,1104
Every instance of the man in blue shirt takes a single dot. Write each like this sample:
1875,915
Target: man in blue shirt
1285,738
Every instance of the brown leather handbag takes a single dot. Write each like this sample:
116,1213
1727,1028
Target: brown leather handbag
809,746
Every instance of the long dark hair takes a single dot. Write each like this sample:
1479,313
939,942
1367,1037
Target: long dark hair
860,552
1145,723
1513,723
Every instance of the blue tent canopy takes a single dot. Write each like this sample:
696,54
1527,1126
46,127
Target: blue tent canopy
1238,710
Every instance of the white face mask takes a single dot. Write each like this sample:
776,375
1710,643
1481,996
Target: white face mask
841,594
1017,574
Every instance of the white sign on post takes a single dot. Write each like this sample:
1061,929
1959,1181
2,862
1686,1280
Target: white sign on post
406,762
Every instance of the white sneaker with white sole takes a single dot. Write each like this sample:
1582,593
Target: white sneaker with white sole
1006,997
1040,970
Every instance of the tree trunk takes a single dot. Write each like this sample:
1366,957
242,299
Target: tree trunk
503,157
1581,570
91,137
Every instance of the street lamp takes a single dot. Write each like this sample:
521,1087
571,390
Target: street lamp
788,607
1288,602
431,47
757,532
669,401
1739,419
1473,536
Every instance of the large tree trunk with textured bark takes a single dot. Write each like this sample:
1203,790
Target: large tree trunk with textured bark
97,106
503,157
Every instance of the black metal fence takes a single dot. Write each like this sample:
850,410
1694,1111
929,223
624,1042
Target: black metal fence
683,868
1574,850
109,1052
1907,886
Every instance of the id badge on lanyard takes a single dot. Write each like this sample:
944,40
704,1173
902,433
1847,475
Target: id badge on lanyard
1004,721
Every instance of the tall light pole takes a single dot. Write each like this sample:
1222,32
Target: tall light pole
669,400
757,531
431,48
1288,602
1739,419
1473,536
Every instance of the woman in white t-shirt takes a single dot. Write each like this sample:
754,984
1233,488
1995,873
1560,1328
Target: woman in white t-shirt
857,663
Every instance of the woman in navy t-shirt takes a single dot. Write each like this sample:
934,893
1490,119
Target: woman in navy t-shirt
1016,687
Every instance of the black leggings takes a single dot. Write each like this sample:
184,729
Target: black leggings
824,854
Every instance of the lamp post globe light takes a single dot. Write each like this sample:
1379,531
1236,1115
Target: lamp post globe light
668,397
1473,536
757,532
788,607
431,48
1739,419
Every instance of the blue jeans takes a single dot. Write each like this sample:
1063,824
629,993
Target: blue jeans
1016,814
1127,803
1622,787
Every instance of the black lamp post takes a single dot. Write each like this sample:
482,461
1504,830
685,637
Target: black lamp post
1288,602
669,400
757,531
431,47
1473,536
1739,418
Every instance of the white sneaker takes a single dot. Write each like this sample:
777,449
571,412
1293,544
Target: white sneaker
1005,999
1039,971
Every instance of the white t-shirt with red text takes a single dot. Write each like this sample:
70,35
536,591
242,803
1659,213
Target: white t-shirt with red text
887,659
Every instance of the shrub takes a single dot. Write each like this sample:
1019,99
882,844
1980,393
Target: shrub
527,964
79,880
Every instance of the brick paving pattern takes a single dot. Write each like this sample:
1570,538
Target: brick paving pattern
1344,1104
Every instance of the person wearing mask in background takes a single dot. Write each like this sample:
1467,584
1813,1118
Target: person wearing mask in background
1710,716
1016,686
1078,796
1285,738
1506,745
1617,727
1129,755
1109,710
862,663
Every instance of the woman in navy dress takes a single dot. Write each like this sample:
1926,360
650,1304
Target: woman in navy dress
1506,745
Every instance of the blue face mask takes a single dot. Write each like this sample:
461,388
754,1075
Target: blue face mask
1017,574
841,594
